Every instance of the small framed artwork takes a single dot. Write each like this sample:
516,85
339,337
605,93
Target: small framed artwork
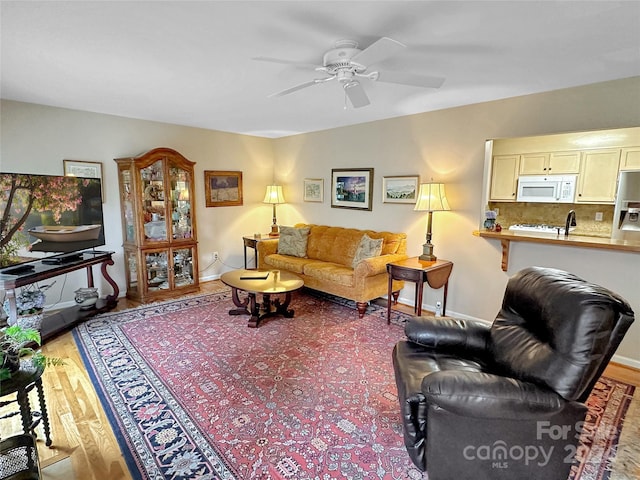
78,168
313,190
400,189
352,188
222,188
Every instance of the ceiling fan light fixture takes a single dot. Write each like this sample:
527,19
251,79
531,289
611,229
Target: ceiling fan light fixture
357,96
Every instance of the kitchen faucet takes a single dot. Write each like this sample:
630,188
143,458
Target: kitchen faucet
571,222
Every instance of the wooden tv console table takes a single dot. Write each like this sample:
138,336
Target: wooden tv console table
45,268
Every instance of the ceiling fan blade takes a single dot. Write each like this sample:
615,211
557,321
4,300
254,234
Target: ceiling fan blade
304,65
356,94
300,86
412,79
378,51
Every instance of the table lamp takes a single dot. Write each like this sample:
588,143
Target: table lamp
274,196
431,198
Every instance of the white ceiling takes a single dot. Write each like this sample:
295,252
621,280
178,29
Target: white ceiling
190,63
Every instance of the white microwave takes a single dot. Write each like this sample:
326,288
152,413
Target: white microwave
547,189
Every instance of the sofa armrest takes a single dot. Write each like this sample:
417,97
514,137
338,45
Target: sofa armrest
376,265
266,247
443,333
485,395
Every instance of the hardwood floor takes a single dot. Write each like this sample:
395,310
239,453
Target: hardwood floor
83,442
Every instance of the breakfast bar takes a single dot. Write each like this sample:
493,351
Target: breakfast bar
508,236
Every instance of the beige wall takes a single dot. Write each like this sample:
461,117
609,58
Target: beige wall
36,139
447,145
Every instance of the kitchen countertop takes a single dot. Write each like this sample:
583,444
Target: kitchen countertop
573,240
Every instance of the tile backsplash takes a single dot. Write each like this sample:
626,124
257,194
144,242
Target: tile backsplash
556,214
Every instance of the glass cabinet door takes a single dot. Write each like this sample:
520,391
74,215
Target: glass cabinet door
132,271
157,269
153,202
181,185
126,190
182,267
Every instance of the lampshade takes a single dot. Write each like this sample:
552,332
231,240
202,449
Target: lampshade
273,195
431,198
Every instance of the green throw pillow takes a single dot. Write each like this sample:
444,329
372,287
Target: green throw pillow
293,241
367,248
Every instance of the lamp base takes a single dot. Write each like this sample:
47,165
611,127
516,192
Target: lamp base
427,253
274,231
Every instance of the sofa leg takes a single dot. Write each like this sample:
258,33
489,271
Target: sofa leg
395,296
362,307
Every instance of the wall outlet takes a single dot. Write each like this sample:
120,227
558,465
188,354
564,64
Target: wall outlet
215,256
598,216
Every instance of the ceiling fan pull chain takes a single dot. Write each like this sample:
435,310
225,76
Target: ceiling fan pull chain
345,100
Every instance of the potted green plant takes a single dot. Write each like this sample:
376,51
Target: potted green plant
15,343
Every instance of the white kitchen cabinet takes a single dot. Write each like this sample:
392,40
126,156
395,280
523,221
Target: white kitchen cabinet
552,163
504,178
630,158
534,163
598,176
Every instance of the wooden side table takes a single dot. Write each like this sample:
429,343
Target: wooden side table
21,383
436,274
252,242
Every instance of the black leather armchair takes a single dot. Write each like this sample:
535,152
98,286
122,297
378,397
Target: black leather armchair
506,401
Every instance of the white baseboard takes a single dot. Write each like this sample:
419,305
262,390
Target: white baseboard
627,362
209,278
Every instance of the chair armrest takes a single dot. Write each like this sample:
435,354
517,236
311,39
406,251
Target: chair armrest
484,395
376,265
266,247
449,333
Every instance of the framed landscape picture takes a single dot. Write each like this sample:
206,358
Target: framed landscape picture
222,188
352,188
313,190
400,189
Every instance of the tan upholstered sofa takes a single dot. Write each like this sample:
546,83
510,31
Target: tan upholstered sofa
327,263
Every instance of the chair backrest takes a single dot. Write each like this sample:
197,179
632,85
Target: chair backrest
558,330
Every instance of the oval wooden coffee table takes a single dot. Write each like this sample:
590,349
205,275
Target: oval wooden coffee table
267,283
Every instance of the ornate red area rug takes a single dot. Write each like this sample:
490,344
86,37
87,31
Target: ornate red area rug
191,392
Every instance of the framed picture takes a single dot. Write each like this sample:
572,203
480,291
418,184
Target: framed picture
313,190
400,189
222,188
352,188
77,168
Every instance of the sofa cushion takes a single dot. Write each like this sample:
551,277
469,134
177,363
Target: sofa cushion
293,241
391,242
333,244
286,262
330,272
367,248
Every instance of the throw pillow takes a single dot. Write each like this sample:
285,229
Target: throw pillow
367,248
293,241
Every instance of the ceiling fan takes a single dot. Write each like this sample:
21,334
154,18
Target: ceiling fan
346,63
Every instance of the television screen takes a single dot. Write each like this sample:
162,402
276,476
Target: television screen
47,213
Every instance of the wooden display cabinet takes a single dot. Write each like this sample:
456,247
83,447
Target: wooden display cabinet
158,224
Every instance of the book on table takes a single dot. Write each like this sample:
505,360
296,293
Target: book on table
254,276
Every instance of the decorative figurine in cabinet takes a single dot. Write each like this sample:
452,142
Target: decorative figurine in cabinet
158,224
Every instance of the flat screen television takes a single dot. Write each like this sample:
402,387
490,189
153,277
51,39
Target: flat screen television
48,213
